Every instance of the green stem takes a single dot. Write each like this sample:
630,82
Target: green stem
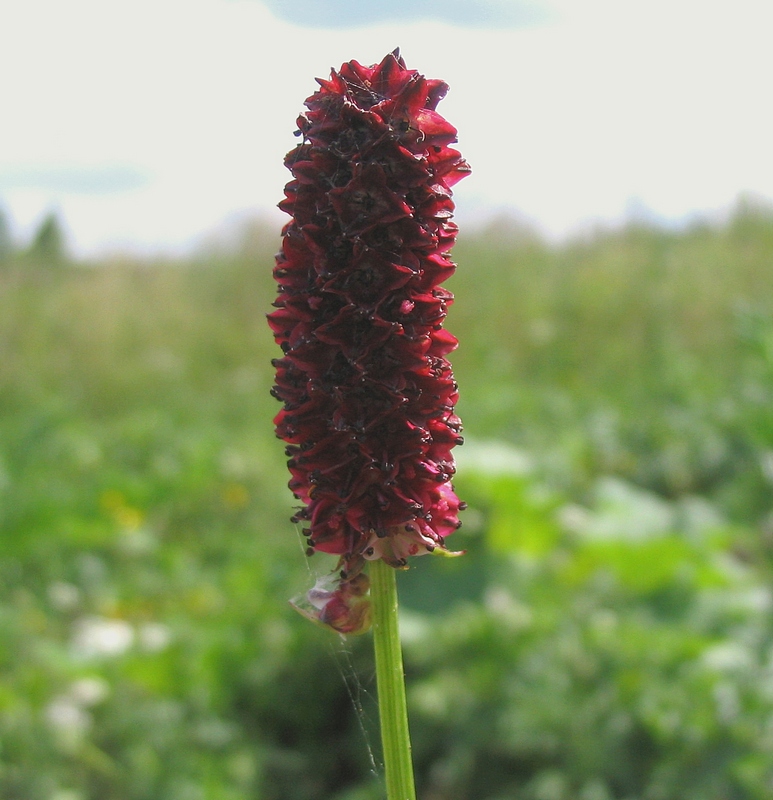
390,680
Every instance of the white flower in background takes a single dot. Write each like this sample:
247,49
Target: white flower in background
97,637
153,636
65,715
67,794
89,692
728,656
63,596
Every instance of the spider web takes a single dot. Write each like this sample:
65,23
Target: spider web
340,652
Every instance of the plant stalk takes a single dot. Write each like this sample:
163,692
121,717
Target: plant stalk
390,681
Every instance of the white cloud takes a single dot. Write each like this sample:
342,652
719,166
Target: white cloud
664,102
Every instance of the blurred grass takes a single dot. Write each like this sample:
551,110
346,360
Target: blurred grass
607,636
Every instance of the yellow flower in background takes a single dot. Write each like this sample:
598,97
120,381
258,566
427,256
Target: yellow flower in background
235,495
122,513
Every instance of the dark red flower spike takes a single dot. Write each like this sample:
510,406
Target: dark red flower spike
368,393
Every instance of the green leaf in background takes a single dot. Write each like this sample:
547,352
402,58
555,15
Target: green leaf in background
607,636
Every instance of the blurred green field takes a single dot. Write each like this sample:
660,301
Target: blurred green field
609,635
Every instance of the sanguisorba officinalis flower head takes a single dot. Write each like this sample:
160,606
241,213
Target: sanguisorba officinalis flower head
367,389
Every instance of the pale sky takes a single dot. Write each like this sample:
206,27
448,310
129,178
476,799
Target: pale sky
151,123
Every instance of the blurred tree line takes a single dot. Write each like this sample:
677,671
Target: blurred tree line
48,245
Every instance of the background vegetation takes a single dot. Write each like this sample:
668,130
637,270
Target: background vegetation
608,636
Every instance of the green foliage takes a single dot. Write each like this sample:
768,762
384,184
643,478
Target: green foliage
48,243
630,659
6,241
607,636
